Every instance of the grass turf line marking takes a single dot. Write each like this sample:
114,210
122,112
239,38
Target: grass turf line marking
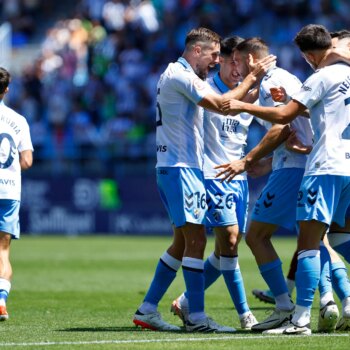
175,340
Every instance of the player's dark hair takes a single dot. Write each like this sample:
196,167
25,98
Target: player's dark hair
202,35
255,46
313,37
4,80
229,44
340,34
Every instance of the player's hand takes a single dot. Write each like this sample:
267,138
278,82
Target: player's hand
295,145
259,68
335,55
230,170
231,106
279,94
260,168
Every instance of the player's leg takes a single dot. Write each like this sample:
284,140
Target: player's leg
341,285
275,207
329,312
323,198
270,266
179,306
5,273
228,239
339,237
9,229
170,183
266,295
147,315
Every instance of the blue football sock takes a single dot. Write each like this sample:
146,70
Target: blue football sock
211,270
341,283
194,279
340,242
325,283
5,287
163,277
274,278
234,282
307,276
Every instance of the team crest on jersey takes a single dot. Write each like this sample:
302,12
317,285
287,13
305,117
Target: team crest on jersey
198,84
196,213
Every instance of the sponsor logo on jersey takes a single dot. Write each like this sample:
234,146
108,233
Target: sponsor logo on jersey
230,125
7,182
161,148
306,88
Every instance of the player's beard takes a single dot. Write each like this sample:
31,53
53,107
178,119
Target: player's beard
201,73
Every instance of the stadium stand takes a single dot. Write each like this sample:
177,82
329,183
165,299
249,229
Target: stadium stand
88,92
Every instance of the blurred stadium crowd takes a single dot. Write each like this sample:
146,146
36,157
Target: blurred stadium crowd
89,97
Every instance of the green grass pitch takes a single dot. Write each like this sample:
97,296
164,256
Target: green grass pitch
81,293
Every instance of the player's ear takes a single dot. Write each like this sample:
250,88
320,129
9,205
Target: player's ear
197,49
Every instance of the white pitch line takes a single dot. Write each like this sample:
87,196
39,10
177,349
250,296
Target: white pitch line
166,340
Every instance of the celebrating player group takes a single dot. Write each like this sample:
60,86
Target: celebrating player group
202,127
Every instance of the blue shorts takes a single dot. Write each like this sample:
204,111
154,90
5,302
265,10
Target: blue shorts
227,203
9,217
324,198
278,199
183,194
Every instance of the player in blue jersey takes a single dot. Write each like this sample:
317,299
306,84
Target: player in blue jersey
181,94
15,155
324,195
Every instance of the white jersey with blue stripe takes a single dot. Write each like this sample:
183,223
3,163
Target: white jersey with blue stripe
224,136
14,138
276,77
326,94
179,134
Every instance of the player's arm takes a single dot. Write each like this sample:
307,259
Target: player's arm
337,54
276,135
214,102
281,115
26,159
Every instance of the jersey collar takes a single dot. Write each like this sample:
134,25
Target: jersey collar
220,84
185,63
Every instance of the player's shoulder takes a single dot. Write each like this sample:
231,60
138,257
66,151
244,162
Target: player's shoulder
11,113
279,74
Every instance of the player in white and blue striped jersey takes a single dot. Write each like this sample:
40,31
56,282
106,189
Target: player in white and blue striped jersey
16,154
276,206
324,194
225,138
181,94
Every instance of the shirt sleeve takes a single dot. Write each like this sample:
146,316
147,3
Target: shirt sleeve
191,86
312,91
25,143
